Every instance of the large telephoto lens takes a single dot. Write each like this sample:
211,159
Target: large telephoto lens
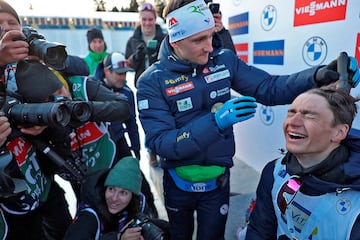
40,114
80,111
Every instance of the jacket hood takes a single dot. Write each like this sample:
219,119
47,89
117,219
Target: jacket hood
343,168
171,61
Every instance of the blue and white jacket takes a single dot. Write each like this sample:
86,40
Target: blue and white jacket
177,98
327,205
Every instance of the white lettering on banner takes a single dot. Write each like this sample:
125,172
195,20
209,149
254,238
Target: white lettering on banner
217,76
313,7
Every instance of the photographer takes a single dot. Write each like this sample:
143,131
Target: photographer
41,208
86,141
15,46
110,201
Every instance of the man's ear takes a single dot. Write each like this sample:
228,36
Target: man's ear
341,133
174,45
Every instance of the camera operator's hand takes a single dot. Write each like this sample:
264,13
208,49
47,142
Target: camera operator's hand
5,129
130,233
34,130
218,22
10,50
140,52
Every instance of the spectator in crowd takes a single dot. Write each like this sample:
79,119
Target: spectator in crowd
143,47
110,200
317,180
185,107
97,49
112,73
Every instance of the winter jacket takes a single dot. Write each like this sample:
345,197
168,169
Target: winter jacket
117,128
151,54
176,100
337,177
87,223
92,59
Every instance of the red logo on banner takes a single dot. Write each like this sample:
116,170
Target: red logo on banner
310,11
242,51
357,49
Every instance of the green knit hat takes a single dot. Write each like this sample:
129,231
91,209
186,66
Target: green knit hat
126,174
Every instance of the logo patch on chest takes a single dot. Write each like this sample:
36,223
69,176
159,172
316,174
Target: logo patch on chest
179,89
184,104
217,76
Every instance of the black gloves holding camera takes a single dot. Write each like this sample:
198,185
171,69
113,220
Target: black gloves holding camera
328,74
140,53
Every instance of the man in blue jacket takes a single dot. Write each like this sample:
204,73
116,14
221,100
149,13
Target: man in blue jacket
313,192
187,113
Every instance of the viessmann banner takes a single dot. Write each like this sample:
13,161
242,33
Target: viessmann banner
283,37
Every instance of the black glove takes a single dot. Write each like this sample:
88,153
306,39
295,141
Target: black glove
140,52
328,74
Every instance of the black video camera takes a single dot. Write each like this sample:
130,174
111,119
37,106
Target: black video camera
60,113
149,230
53,53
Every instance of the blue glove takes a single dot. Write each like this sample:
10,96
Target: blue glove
235,110
355,74
328,74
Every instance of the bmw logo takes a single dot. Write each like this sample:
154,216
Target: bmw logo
268,17
314,51
343,206
236,2
267,115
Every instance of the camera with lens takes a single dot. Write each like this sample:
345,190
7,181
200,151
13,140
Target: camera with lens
149,230
53,53
80,111
61,112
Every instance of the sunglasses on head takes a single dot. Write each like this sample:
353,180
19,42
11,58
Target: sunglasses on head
146,6
120,64
287,193
123,64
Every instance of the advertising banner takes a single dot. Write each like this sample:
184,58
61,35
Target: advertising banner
283,37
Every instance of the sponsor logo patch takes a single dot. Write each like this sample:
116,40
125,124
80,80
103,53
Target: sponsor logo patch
179,89
184,104
217,76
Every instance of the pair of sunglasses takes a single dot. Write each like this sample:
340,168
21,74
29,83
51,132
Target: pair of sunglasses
146,6
288,192
123,64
